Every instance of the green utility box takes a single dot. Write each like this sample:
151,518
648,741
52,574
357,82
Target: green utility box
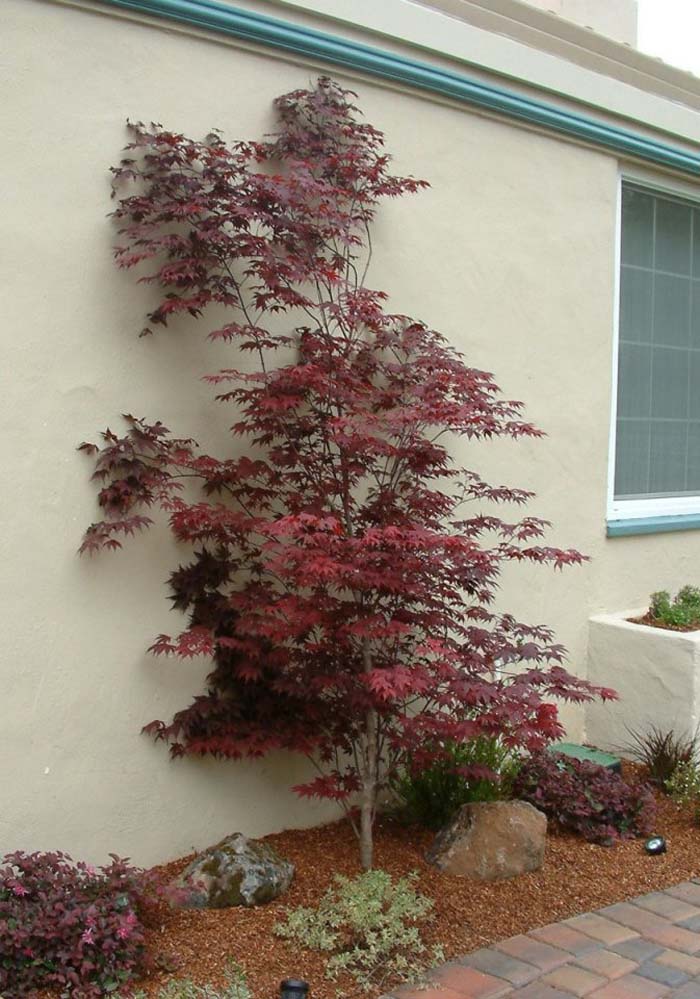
587,753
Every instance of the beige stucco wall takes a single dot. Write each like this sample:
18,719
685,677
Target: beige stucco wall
616,19
510,253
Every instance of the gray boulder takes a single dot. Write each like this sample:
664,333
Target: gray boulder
491,840
237,871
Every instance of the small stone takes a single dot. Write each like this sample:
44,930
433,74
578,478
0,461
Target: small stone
237,871
491,840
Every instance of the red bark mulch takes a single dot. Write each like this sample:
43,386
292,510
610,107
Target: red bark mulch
576,878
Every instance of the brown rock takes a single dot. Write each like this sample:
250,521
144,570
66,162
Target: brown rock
491,840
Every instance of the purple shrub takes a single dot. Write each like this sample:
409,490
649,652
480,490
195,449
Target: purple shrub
585,798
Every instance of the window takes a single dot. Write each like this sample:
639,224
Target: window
657,423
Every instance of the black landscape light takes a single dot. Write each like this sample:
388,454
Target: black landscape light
655,845
294,988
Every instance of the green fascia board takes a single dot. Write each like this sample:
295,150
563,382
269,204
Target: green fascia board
652,525
588,754
288,37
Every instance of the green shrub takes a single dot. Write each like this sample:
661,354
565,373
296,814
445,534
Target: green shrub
433,795
368,924
681,612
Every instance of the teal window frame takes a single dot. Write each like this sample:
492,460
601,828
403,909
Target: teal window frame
675,509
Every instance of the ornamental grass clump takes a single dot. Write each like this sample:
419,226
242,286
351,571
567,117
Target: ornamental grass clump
369,925
585,798
660,751
68,926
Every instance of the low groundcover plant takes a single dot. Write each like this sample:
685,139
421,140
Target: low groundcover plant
368,924
70,926
235,987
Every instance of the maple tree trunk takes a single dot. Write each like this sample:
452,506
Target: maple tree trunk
369,792
368,795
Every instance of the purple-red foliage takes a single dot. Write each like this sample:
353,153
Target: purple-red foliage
585,798
69,926
343,570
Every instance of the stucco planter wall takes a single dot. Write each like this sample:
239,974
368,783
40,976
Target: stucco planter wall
655,672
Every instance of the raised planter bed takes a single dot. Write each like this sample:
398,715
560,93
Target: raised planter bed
656,672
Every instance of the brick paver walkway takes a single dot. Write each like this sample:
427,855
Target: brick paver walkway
648,948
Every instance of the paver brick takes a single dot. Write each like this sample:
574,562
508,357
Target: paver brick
637,950
468,982
578,981
538,991
631,916
664,973
501,965
607,963
689,991
689,892
600,928
692,923
429,993
531,951
632,987
676,938
565,938
676,959
667,906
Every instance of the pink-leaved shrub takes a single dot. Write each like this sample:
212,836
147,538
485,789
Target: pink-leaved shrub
70,926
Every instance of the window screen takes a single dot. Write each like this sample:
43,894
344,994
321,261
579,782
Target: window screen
657,451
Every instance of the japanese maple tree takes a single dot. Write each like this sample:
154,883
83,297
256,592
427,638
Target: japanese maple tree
342,568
